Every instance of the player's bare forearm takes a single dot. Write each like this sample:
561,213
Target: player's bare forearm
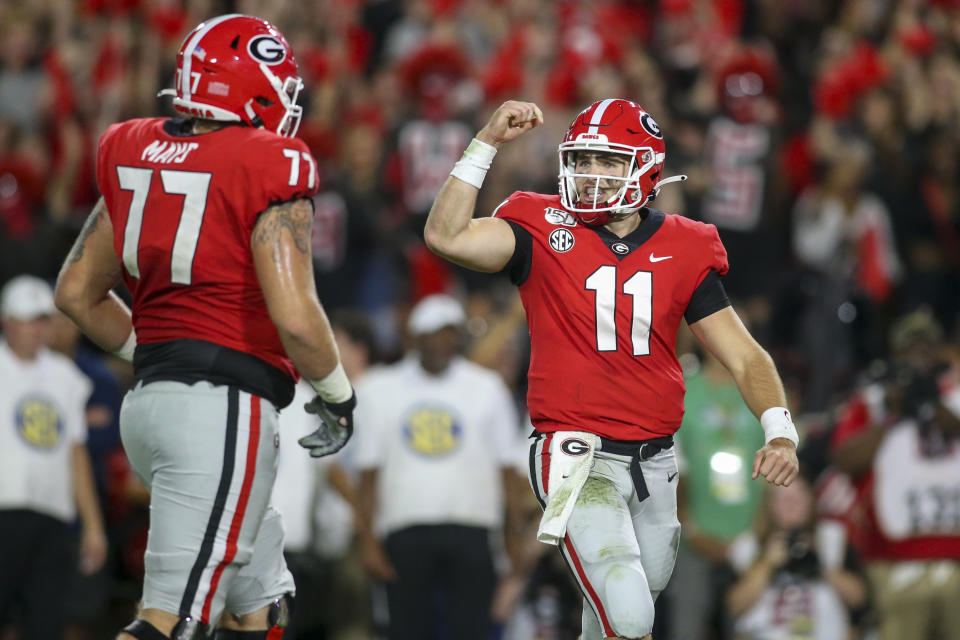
759,382
482,244
283,260
756,376
84,286
724,335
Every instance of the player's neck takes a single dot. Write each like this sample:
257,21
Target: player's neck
626,226
198,126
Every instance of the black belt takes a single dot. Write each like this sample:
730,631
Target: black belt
638,451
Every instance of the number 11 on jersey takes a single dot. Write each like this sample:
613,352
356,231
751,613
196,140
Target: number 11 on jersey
639,287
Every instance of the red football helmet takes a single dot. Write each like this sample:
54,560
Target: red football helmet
238,68
621,127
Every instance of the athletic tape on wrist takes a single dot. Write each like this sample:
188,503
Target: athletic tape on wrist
777,423
126,351
334,387
473,165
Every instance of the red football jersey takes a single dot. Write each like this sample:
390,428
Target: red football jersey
183,208
603,314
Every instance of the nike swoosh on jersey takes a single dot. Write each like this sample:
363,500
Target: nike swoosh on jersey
655,259
671,476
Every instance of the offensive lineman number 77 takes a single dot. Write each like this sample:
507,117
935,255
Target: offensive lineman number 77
193,186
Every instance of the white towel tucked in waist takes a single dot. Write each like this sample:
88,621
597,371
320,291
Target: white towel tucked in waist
571,458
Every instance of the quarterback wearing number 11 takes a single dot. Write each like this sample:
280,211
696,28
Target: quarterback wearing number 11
605,280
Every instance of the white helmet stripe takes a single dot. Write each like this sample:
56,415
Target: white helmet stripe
191,46
598,115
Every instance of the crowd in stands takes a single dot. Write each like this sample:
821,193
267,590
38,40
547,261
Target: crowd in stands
821,137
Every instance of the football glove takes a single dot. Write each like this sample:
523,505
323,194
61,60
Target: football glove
336,426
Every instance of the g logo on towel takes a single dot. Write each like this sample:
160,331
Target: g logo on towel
574,447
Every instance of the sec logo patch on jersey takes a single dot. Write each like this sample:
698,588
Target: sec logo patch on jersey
561,240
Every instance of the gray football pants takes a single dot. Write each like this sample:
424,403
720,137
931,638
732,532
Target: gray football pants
208,455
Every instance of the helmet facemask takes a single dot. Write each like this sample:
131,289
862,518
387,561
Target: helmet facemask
288,92
628,199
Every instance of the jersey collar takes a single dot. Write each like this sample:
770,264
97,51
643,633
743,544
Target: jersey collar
622,247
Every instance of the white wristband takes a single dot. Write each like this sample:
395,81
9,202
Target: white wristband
473,165
334,387
777,423
126,351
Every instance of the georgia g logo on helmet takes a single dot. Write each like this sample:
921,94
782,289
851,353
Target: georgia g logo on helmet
267,49
650,125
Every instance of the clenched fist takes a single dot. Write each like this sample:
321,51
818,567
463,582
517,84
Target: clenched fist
777,462
509,121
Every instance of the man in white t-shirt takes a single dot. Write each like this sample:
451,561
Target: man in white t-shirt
45,473
436,443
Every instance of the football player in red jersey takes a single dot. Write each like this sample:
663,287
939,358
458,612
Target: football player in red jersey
605,280
207,221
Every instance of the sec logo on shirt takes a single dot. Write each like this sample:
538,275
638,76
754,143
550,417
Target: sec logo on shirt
432,430
38,422
561,240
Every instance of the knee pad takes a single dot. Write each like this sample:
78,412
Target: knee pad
185,629
628,601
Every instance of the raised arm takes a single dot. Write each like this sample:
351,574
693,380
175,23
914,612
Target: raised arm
724,335
481,244
84,287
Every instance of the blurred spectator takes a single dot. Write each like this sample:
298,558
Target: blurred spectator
793,583
436,442
917,471
89,594
353,254
741,194
928,229
716,499
843,236
897,438
103,407
46,479
24,90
